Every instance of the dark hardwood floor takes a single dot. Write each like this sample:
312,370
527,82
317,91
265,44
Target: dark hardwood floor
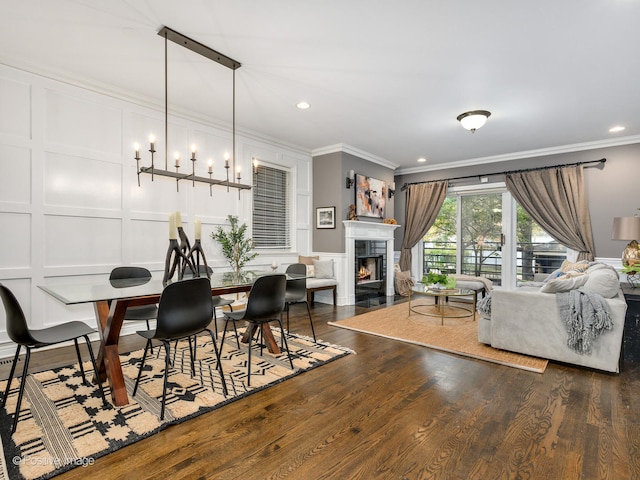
399,411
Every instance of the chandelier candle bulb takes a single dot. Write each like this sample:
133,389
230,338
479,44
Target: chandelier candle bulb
152,141
210,166
193,153
136,147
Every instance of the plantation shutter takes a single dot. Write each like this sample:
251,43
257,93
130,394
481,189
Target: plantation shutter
271,208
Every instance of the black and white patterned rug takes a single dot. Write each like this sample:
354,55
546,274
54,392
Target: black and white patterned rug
63,423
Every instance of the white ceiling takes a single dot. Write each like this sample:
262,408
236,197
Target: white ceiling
387,78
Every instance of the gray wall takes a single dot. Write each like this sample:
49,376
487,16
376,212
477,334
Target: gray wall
329,174
612,189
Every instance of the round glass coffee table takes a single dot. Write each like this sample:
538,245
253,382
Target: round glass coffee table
441,297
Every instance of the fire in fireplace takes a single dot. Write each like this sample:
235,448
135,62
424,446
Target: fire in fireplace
369,269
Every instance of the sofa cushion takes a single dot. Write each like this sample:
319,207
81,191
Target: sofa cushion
323,268
565,283
604,281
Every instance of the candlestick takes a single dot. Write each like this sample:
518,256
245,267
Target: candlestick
152,145
178,219
173,231
197,227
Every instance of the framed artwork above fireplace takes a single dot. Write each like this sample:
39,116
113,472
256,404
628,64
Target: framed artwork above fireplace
371,197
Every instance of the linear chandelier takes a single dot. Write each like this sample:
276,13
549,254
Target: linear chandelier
217,57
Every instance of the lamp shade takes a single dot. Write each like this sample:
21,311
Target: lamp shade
626,228
474,119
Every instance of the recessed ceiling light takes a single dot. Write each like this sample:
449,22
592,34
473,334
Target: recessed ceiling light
617,128
302,105
422,160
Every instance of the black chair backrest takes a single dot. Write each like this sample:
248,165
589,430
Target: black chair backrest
17,327
185,308
121,273
297,288
266,298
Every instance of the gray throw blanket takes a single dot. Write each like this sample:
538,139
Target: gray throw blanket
586,315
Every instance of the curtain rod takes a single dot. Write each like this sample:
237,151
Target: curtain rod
602,160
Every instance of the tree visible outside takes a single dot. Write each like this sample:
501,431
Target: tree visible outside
481,230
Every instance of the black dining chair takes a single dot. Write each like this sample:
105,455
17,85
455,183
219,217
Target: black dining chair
297,292
19,332
217,300
265,304
184,311
130,276
132,273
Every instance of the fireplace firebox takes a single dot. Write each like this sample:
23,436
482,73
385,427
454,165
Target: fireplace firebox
369,269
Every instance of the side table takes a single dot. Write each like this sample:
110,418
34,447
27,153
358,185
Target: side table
631,335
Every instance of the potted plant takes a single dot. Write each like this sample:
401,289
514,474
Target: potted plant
236,248
440,280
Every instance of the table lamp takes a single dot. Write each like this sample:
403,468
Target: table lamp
628,228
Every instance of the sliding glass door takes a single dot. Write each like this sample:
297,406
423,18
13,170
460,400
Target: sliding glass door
485,233
481,236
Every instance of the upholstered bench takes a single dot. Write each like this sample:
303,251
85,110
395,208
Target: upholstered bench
316,284
320,277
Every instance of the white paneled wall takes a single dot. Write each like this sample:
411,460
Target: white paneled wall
70,205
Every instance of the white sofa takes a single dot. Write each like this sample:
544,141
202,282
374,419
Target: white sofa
527,320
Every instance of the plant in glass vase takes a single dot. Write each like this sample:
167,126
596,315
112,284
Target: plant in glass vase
632,272
439,280
236,248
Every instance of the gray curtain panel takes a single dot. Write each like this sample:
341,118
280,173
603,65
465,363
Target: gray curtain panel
423,205
555,198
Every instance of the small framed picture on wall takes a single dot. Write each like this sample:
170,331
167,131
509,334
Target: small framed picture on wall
326,217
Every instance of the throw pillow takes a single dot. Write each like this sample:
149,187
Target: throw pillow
565,283
307,260
604,281
310,271
323,268
568,266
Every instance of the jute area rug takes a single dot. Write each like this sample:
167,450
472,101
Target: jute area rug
63,423
457,335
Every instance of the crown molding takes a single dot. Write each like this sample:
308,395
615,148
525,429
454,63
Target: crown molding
541,152
344,148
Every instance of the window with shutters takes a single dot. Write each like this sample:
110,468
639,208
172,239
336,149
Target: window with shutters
271,199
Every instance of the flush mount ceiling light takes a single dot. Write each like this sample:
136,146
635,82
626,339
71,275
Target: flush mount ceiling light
474,119
303,105
617,128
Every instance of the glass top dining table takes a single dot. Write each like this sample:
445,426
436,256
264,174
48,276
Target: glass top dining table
108,290
111,299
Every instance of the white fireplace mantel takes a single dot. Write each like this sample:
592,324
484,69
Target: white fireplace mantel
358,230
